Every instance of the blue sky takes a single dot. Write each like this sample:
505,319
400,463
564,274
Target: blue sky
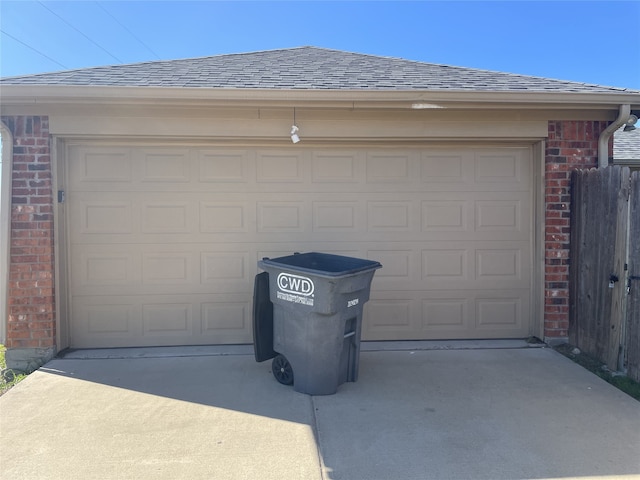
585,41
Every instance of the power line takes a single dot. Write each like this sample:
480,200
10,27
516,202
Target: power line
85,36
34,49
130,32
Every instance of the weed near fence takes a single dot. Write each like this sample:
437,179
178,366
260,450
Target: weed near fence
7,377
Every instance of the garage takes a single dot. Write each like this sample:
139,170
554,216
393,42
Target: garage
162,238
143,195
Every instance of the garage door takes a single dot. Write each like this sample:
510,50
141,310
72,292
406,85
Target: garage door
163,241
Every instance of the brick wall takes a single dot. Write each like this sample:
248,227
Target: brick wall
571,145
31,304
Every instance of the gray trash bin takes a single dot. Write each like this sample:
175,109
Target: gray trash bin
318,300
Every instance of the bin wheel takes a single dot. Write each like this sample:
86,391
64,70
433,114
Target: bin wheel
282,370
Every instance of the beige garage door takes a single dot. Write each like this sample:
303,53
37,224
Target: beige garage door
163,241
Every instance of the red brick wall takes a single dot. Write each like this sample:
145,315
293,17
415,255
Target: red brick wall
31,301
571,145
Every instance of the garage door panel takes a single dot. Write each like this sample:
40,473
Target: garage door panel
499,167
99,168
446,216
280,217
95,168
103,322
224,217
395,216
117,269
502,311
498,312
225,266
503,266
148,320
163,165
498,215
223,166
169,268
448,167
228,316
395,167
335,167
164,250
106,217
444,266
388,316
166,217
447,314
481,169
399,265
102,267
96,216
336,216
169,319
282,166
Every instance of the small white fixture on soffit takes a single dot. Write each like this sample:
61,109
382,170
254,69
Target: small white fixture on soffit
294,134
294,129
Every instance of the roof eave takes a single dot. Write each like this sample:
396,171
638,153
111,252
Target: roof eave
71,94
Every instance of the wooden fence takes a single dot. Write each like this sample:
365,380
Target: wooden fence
604,318
633,307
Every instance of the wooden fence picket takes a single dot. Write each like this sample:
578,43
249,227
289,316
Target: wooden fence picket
633,306
605,244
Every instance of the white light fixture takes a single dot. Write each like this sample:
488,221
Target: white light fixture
294,129
294,134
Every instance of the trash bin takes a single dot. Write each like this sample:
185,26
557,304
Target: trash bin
311,323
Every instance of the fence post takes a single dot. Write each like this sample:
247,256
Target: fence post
620,189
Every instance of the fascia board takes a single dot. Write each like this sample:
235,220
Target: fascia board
66,94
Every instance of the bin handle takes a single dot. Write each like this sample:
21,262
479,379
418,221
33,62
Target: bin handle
350,334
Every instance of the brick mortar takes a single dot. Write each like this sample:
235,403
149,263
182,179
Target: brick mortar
31,298
571,145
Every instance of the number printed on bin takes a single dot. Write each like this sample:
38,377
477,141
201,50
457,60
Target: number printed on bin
353,303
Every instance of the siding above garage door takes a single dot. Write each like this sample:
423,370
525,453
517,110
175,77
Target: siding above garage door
163,241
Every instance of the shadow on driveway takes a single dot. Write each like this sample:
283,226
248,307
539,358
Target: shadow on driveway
434,414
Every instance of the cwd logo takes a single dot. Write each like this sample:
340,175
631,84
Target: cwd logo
290,283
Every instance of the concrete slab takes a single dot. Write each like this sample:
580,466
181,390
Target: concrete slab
501,413
200,417
477,414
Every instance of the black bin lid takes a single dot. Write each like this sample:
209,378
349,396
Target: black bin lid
323,263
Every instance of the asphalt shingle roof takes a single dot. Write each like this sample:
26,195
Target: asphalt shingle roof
308,68
626,145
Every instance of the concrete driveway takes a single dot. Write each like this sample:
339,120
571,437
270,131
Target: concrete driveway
213,413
